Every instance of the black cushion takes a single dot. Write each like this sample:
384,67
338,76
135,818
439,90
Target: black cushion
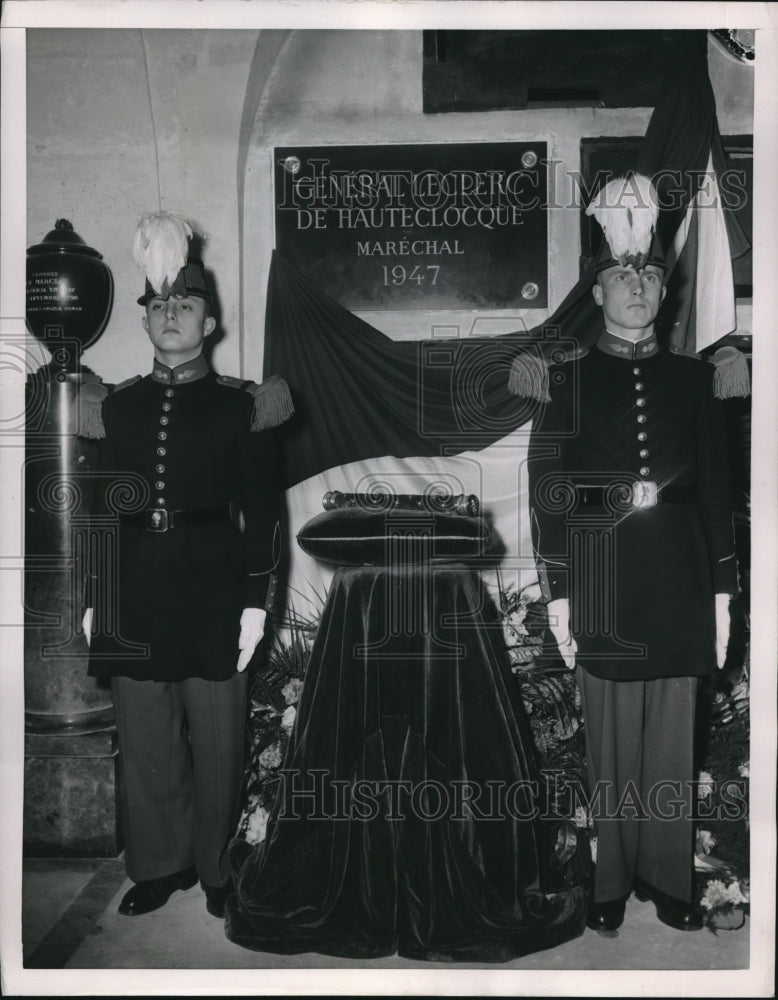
352,536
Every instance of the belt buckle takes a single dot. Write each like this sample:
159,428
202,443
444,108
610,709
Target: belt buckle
157,520
645,494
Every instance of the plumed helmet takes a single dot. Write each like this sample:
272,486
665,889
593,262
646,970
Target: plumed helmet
627,210
161,249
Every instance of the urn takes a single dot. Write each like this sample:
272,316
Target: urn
69,295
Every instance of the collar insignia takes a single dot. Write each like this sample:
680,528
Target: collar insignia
609,343
190,371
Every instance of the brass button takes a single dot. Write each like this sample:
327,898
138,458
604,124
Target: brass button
168,393
159,485
161,468
639,386
161,501
640,401
162,435
636,371
163,451
643,454
642,436
641,418
164,421
644,470
166,407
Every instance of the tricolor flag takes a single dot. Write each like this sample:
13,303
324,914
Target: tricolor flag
683,152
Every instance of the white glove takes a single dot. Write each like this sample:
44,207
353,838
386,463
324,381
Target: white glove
252,628
559,624
722,628
86,625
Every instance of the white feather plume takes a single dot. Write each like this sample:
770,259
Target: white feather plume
161,246
627,210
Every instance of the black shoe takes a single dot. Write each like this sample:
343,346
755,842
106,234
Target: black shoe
150,895
671,911
606,916
216,898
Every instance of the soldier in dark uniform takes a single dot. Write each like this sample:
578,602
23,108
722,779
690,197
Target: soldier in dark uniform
633,532
176,612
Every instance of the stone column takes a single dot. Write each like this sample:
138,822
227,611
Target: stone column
70,802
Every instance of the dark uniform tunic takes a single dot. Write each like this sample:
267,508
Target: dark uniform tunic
168,605
641,581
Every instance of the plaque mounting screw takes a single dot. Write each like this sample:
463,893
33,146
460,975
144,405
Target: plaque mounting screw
529,290
292,164
529,159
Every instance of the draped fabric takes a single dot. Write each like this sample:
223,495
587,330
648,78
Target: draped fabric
360,395
408,683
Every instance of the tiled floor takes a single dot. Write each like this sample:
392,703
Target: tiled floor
70,921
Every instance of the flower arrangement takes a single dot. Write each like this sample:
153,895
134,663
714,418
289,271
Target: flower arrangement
523,620
274,692
722,847
552,705
722,903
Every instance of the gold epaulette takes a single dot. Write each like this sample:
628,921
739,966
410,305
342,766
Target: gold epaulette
272,400
731,376
89,416
528,376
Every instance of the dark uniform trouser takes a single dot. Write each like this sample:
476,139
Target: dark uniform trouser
181,754
640,735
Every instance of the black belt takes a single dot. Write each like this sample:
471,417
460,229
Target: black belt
638,495
159,519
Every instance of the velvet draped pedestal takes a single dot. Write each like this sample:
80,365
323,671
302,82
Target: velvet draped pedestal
405,820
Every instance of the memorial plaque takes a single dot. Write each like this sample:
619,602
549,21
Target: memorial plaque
433,226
